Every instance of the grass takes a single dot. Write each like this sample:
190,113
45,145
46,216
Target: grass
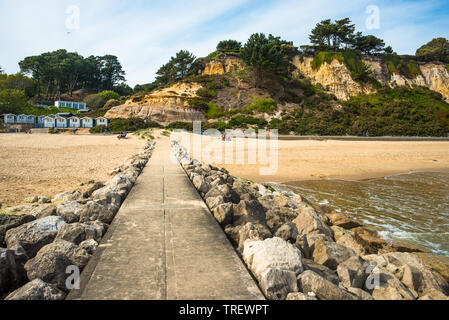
262,106
145,134
400,65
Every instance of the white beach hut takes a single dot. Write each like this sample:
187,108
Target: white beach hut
9,118
61,122
21,118
74,122
30,119
48,122
101,121
87,122
40,120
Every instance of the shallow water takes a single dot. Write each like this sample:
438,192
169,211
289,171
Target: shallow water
412,207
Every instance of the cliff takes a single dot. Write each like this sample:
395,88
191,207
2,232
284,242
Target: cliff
336,78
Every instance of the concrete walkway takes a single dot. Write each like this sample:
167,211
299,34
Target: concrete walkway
164,244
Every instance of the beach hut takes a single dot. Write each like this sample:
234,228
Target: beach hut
30,119
87,122
9,118
48,122
21,118
61,122
101,121
40,121
74,122
71,104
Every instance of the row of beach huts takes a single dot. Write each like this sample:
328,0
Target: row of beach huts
60,120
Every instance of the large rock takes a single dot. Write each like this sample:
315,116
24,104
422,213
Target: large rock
214,202
388,287
252,232
288,232
322,271
67,196
97,185
361,294
8,222
37,290
308,222
51,263
79,232
248,211
369,239
224,214
34,235
97,210
331,254
12,272
70,211
309,282
349,241
277,284
200,184
44,211
273,253
299,296
225,191
107,196
342,220
416,275
353,272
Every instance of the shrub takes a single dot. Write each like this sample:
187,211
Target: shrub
262,105
213,111
188,126
111,103
98,129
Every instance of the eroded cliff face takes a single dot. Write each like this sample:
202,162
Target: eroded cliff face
336,78
223,65
163,106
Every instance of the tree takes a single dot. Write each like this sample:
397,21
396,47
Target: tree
368,44
229,45
33,65
176,69
12,101
19,82
331,35
265,55
111,71
438,47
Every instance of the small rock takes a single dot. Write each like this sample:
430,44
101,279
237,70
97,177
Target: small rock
308,222
277,284
309,281
89,245
299,296
252,232
32,199
67,196
342,220
288,232
322,271
361,294
369,239
353,272
349,241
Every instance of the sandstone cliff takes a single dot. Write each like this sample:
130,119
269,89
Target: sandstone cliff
336,78
223,65
163,106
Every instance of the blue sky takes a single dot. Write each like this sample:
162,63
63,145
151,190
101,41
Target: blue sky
144,34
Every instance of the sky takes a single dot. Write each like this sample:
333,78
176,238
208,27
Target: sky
144,34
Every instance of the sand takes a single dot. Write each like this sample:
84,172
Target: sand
35,165
350,160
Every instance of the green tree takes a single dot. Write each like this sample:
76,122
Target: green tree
111,71
13,101
264,55
229,45
332,36
368,44
438,47
33,65
176,69
19,82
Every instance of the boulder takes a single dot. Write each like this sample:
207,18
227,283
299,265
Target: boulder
299,296
353,272
303,245
89,245
51,263
349,241
74,233
97,185
288,232
34,235
225,191
331,254
313,238
12,272
361,294
342,220
67,196
8,222
31,199
224,214
369,239
388,287
252,232
273,253
213,202
308,222
248,211
44,211
338,232
43,199
277,284
107,196
322,271
70,211
96,210
200,184
37,290
309,281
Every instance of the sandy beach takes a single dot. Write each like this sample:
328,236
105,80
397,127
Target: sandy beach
50,164
331,159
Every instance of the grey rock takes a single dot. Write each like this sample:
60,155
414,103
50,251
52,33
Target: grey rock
44,211
213,202
8,222
200,184
299,296
288,232
353,272
70,211
224,214
322,271
309,281
349,241
37,290
51,263
95,210
277,284
67,196
248,211
97,185
331,254
252,232
34,235
309,222
361,294
89,245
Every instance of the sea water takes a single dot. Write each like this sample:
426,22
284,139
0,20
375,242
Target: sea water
411,207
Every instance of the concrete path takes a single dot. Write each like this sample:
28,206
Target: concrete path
164,244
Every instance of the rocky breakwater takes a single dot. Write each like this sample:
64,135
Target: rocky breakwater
37,249
298,251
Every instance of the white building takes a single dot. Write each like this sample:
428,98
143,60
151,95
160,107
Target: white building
87,122
74,122
9,118
71,104
101,121
61,122
48,122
